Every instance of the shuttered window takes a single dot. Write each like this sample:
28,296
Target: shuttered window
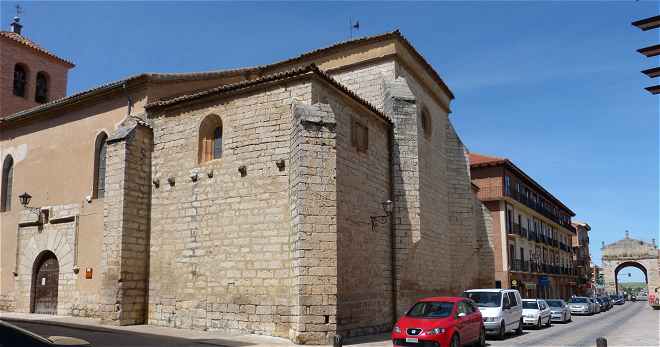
7,182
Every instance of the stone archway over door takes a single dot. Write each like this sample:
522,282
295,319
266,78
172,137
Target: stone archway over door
45,280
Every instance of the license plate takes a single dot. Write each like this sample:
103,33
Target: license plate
412,339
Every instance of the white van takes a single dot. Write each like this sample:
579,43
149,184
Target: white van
501,309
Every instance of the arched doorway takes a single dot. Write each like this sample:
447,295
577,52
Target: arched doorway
45,279
627,264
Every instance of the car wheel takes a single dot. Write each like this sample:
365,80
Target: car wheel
538,324
549,324
455,342
502,332
519,330
482,337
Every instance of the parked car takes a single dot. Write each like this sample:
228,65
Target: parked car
598,308
581,305
444,321
11,335
559,310
536,312
607,302
501,309
617,299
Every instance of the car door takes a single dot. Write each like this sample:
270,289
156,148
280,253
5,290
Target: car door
475,319
506,310
545,311
514,312
463,321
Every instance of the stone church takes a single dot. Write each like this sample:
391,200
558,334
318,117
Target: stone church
310,197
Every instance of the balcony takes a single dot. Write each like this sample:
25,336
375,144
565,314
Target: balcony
514,229
519,265
493,192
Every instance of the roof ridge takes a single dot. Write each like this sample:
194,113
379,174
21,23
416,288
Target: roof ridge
31,44
309,68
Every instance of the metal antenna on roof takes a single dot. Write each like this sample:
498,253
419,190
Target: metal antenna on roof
352,26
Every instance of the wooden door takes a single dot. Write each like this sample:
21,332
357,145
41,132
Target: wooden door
45,285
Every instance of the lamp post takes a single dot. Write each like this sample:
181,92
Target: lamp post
387,207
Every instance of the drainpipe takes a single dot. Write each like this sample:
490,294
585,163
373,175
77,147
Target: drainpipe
395,293
128,98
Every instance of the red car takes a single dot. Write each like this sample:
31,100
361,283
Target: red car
440,322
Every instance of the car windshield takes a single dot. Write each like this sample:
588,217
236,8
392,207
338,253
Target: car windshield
431,309
485,299
554,303
530,305
579,301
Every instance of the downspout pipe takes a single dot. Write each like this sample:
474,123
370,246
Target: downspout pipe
395,294
128,98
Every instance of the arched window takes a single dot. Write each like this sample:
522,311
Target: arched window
20,79
210,139
101,149
7,182
41,91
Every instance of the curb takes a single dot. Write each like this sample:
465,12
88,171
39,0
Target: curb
84,327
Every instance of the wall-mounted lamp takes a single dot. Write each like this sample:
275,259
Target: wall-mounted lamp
25,201
387,207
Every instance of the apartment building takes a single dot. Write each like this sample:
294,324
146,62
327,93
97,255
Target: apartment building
582,258
532,231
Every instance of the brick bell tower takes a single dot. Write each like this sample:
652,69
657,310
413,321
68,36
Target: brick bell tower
29,74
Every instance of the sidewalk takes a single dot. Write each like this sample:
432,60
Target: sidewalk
217,338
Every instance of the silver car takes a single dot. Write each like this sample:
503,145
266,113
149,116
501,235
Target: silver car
559,311
581,305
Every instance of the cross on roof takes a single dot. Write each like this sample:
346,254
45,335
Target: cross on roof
19,10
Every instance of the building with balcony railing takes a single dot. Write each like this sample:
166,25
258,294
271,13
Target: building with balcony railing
582,258
532,230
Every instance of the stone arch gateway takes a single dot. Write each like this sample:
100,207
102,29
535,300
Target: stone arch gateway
631,252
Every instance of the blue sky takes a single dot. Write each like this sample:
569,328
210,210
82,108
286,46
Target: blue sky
554,86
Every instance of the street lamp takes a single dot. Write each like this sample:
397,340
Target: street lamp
25,201
387,207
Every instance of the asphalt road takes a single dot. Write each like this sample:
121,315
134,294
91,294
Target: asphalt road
114,338
631,324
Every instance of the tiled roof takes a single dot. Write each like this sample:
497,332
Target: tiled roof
118,84
24,41
480,160
223,89
255,69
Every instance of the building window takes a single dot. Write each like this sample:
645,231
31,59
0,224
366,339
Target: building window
20,79
41,91
507,185
100,154
426,123
360,136
210,139
7,182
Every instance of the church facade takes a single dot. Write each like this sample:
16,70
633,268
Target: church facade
315,196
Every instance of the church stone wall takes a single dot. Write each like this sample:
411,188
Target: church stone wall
364,257
221,242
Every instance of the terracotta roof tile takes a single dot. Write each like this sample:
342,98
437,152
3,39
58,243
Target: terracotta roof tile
24,41
309,69
199,75
477,159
